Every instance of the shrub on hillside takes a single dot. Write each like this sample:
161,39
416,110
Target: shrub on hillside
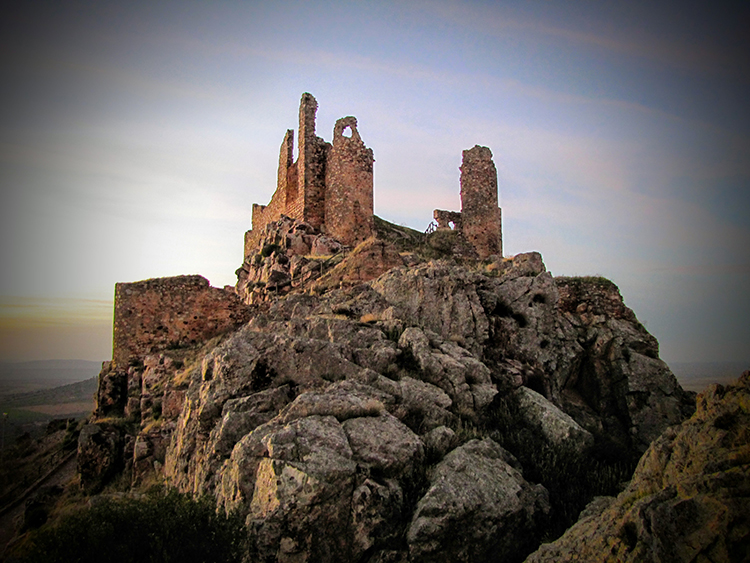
162,526
572,479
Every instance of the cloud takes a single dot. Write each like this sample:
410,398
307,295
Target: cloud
91,341
27,312
679,49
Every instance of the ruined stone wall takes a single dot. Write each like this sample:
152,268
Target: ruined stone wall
480,214
311,163
262,216
300,186
252,238
287,184
328,187
445,218
161,313
284,199
286,166
349,185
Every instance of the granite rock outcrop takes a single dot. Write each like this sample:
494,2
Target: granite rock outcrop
370,393
389,407
477,505
688,499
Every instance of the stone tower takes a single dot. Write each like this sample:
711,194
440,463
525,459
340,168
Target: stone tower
311,165
349,185
480,215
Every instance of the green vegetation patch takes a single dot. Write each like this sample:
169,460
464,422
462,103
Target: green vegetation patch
580,281
162,526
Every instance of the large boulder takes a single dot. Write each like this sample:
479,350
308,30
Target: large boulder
366,262
453,369
689,497
242,383
101,455
477,506
618,387
576,341
438,296
303,485
558,430
302,478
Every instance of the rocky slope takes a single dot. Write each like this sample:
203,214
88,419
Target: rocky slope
689,499
380,406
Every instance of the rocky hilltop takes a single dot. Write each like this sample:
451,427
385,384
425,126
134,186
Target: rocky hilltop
370,393
390,402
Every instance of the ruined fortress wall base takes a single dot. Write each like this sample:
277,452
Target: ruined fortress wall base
251,242
162,313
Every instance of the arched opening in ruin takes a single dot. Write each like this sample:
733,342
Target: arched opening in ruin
347,132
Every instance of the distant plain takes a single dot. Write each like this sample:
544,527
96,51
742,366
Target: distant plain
33,393
696,376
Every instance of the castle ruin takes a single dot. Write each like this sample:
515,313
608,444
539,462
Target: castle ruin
329,186
480,218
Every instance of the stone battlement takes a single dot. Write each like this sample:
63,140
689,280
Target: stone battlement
330,187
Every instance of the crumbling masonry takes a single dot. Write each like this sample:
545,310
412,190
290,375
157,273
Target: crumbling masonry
158,314
330,186
480,219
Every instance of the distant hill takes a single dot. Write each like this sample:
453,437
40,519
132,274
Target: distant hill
81,391
22,377
696,376
31,411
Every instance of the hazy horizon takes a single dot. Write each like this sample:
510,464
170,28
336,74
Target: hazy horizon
136,137
693,376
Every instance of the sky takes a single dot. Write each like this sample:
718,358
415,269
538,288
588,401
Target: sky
135,137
